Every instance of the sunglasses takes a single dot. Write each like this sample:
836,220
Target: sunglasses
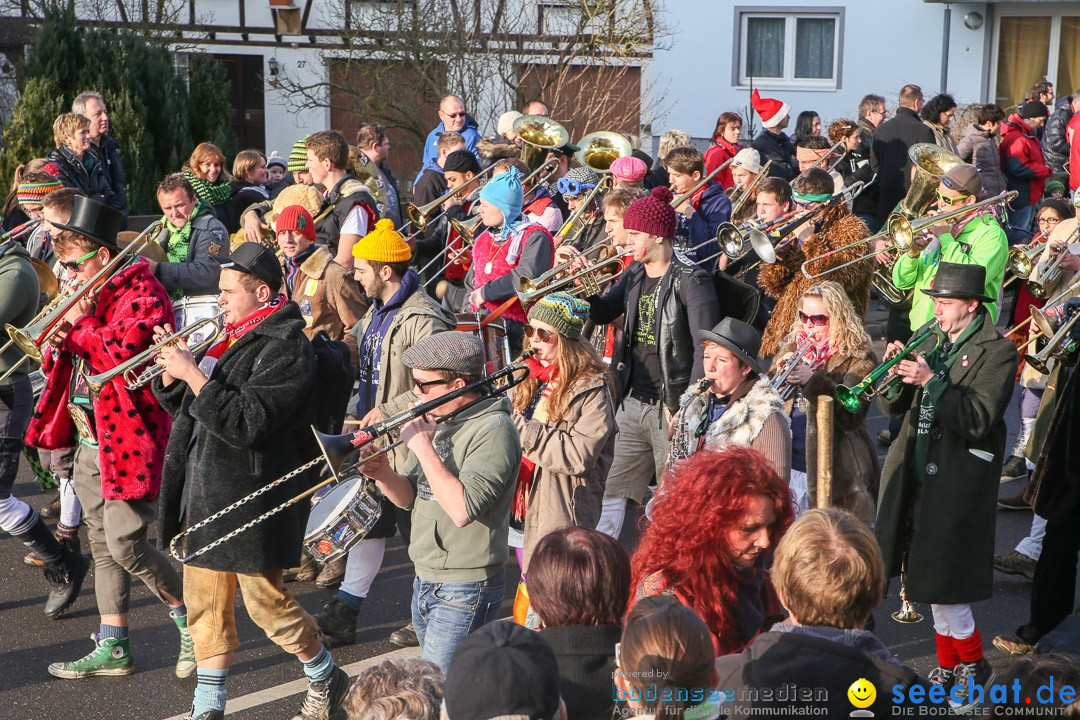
950,201
539,333
454,115
73,265
423,385
568,186
817,320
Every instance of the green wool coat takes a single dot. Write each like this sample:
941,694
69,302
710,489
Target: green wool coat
954,510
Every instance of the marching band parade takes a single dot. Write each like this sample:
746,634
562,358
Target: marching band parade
552,344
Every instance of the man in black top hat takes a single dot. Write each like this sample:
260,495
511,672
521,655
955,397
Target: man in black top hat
243,413
939,487
118,432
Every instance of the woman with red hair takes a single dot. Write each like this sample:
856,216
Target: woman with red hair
709,541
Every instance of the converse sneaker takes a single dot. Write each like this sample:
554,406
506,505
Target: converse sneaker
1015,563
110,657
337,622
324,698
941,676
981,674
185,661
65,577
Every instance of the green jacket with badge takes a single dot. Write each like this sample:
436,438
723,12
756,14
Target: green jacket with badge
980,242
950,491
18,302
480,447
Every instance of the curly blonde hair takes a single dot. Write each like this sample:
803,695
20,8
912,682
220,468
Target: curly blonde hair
847,336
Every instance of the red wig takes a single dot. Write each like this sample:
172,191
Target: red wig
686,542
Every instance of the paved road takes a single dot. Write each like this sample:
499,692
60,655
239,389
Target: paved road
266,684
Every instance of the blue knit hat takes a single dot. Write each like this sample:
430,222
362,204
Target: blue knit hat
504,192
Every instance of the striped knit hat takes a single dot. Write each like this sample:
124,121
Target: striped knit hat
298,156
32,193
383,244
562,311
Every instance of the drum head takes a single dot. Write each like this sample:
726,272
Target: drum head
332,505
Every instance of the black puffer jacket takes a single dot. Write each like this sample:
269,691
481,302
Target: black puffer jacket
253,427
688,303
889,157
108,153
778,148
87,175
1055,145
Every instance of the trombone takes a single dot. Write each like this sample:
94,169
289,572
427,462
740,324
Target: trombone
851,397
1040,288
127,370
575,217
33,336
336,448
1057,299
737,242
748,193
700,184
1059,345
420,217
828,154
901,232
467,231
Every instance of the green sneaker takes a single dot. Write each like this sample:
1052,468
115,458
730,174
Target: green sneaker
110,657
185,662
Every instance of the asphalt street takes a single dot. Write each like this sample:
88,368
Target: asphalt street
267,684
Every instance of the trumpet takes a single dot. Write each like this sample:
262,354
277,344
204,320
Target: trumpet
420,217
748,193
127,370
680,199
851,397
336,448
804,351
589,278
1060,344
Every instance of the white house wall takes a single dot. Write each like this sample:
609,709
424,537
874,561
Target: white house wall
885,44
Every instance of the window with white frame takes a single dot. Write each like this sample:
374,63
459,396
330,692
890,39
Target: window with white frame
790,48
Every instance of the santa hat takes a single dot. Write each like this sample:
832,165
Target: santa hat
772,111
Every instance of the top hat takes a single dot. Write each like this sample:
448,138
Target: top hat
738,337
959,280
95,221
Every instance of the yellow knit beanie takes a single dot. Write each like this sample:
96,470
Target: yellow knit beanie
383,244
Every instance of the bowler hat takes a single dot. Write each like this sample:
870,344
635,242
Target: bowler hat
959,280
95,221
738,337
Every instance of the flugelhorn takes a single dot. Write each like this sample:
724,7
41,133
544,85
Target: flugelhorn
31,338
851,397
1059,345
336,448
779,382
127,370
420,216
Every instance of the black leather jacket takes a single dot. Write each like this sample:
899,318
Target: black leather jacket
687,304
1055,143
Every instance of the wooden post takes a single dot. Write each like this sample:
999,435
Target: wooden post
824,450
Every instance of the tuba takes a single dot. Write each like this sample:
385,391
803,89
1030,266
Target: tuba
600,149
367,172
930,162
539,135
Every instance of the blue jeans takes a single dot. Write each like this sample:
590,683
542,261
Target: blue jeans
444,613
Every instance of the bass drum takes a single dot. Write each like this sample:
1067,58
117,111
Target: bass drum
496,344
342,518
192,309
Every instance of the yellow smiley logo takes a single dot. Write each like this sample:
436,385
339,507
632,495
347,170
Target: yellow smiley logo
862,693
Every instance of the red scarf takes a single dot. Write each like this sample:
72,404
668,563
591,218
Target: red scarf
822,352
528,468
235,331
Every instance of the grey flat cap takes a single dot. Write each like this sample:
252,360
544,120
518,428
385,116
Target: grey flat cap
454,350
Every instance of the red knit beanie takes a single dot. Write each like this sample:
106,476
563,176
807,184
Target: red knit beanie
652,215
295,217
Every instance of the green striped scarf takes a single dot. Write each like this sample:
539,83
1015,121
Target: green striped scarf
217,194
